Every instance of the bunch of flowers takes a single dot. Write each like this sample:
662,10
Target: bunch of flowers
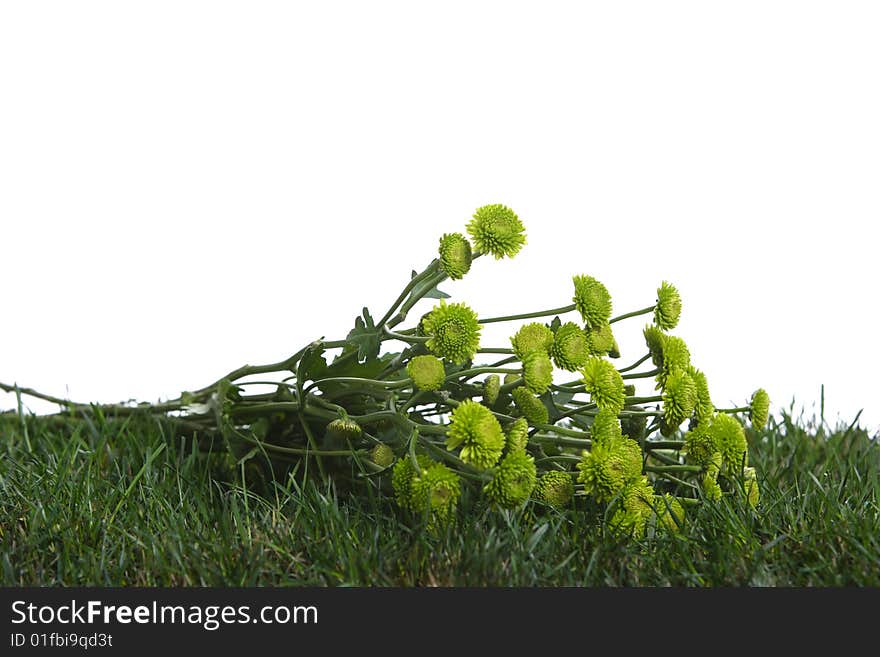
443,412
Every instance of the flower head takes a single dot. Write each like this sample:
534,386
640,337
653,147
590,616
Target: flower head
531,407
679,397
478,433
491,389
455,255
670,512
604,384
344,429
655,338
571,347
675,357
497,230
402,476
711,489
454,332
704,408
699,445
750,485
592,301
601,341
435,491
537,371
636,508
518,435
513,481
555,488
759,409
382,455
668,308
609,466
531,337
730,440
606,426
427,372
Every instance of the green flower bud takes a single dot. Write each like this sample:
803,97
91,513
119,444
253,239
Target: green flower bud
531,337
601,341
531,407
750,485
382,455
344,429
634,426
679,397
711,489
609,466
571,347
537,372
592,301
518,435
491,389
435,492
401,479
668,308
555,488
427,372
475,429
513,481
604,384
699,444
655,338
497,230
510,378
454,332
455,255
629,390
759,408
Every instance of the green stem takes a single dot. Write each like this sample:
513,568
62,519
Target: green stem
562,431
642,400
539,313
634,313
410,339
583,443
660,469
664,444
641,375
741,409
494,350
636,364
415,280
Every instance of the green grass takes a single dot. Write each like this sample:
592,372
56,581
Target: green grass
121,503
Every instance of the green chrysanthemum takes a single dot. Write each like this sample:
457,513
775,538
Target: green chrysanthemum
513,481
679,397
759,409
601,342
518,435
750,485
427,372
592,301
453,330
605,427
402,476
604,384
699,445
531,337
571,347
382,455
655,338
730,440
531,407
455,255
668,308
344,429
631,519
435,491
497,230
711,489
670,512
491,389
704,408
474,429
537,372
676,356
555,488
609,466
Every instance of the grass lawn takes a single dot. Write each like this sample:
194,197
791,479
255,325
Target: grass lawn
120,503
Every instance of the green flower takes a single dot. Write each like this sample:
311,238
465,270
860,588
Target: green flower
711,489
402,476
427,372
601,342
555,488
759,408
454,332
636,509
655,338
750,485
730,440
382,455
531,337
699,445
491,388
609,466
704,408
605,427
628,524
670,512
435,492
675,357
537,372
604,384
592,301
571,347
668,308
474,429
518,435
455,255
513,481
531,407
679,397
344,429
497,230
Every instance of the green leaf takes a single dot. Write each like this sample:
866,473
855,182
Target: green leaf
434,293
365,337
312,365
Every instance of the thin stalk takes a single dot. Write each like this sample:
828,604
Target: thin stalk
636,364
539,313
634,313
641,375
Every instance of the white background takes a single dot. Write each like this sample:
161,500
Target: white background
189,186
